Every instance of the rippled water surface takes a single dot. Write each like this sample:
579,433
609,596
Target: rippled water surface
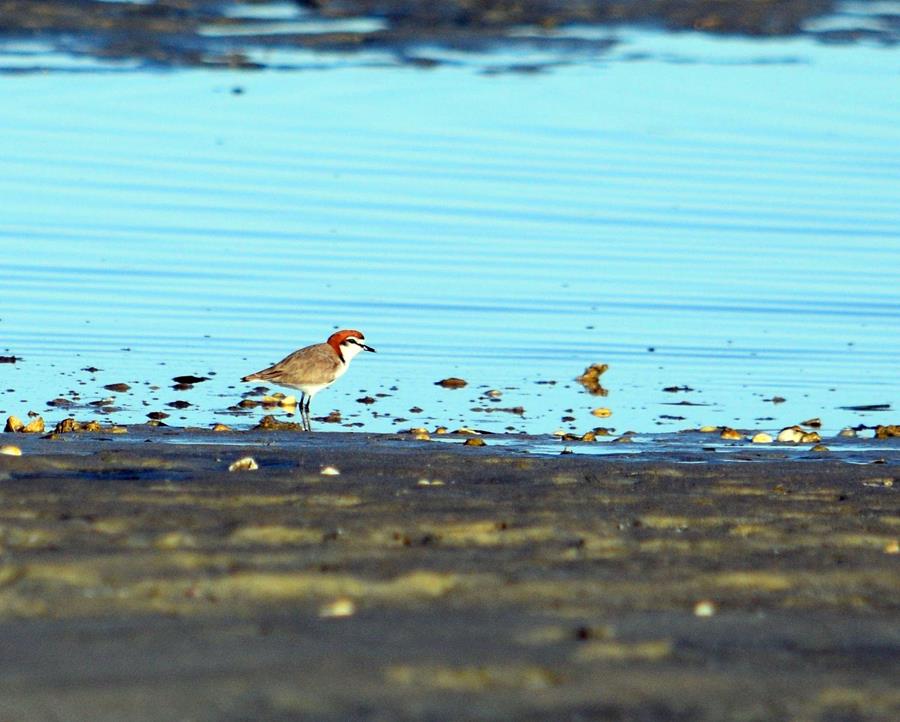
722,215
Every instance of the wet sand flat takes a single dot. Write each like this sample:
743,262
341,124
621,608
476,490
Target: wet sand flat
141,580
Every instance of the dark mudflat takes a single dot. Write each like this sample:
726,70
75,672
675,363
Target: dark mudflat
140,580
202,33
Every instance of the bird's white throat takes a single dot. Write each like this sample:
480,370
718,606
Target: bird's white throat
349,351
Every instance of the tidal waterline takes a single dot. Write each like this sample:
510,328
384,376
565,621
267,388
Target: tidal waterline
721,216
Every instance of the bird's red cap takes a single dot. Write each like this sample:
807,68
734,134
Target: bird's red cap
338,337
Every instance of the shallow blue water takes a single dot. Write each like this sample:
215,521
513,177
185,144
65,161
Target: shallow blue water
733,205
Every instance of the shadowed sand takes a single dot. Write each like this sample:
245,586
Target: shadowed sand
141,580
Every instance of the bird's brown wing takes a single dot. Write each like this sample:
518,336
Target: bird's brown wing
312,364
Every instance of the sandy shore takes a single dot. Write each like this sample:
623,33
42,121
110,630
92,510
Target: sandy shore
141,580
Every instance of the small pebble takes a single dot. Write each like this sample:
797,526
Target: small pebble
731,434
451,383
887,431
811,437
474,441
248,463
330,471
221,427
13,424
35,426
421,436
430,482
819,447
791,434
761,438
848,432
340,607
10,450
602,412
892,547
704,608
708,429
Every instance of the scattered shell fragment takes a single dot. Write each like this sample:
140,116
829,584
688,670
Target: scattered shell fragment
452,382
892,547
288,401
590,379
811,437
429,482
731,434
248,463
493,393
602,412
10,450
819,447
791,434
14,424
815,423
70,425
761,438
589,436
421,436
704,608
441,430
627,439
35,426
884,432
120,388
708,429
221,427
330,471
337,608
474,441
270,423
848,432
467,430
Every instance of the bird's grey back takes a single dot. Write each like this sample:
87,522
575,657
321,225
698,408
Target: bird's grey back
312,364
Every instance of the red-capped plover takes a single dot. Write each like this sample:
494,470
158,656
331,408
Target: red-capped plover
315,367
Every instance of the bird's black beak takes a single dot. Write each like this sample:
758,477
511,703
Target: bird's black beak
367,348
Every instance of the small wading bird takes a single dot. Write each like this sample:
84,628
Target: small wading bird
312,368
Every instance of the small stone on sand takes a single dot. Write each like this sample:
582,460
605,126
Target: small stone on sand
248,463
451,382
340,607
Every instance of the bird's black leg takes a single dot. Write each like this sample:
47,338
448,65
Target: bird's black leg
300,407
306,413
